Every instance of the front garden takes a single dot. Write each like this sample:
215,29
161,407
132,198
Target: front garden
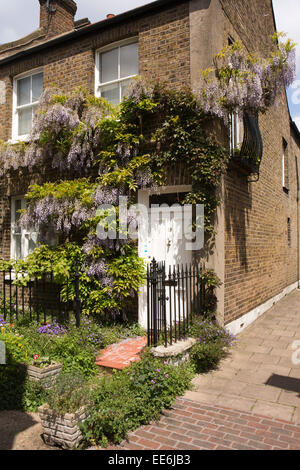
116,403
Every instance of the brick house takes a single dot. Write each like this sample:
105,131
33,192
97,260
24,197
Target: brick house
256,253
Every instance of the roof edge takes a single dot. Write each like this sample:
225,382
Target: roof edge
98,26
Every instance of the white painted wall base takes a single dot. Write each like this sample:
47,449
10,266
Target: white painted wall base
237,326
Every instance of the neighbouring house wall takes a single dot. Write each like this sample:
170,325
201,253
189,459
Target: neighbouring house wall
260,256
252,255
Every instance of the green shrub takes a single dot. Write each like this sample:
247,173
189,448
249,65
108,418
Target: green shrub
16,346
213,341
133,397
206,357
69,393
17,392
207,331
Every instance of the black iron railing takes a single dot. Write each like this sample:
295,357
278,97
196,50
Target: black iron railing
40,298
175,295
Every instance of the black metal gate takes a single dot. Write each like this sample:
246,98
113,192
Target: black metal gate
174,296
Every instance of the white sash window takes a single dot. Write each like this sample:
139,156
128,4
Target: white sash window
23,241
115,67
27,92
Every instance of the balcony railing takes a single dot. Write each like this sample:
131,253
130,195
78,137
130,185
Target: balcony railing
251,152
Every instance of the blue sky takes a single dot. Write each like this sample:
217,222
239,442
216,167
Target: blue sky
14,26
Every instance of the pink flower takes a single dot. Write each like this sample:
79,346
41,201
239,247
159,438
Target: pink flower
35,357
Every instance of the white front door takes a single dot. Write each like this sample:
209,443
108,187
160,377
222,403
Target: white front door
165,240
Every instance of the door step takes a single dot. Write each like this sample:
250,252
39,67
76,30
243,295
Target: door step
119,356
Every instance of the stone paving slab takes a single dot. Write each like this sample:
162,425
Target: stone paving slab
191,425
259,372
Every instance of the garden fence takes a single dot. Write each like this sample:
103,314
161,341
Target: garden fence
175,295
40,298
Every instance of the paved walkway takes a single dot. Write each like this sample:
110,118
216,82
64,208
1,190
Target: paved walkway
259,375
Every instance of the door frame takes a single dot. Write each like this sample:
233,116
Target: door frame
143,198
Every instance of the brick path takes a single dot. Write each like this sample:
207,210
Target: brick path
190,425
120,355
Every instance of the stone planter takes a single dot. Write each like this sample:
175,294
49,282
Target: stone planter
46,375
62,431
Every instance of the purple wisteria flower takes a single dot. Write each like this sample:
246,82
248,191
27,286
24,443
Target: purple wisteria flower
144,177
106,195
139,89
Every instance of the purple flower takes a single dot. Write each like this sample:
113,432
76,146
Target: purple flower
52,329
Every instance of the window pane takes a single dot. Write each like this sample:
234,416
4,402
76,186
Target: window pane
18,246
109,66
37,86
32,242
18,207
129,60
25,121
24,91
111,93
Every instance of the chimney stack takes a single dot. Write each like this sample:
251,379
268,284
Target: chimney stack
57,16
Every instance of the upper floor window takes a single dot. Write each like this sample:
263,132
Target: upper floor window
285,166
236,133
115,67
27,92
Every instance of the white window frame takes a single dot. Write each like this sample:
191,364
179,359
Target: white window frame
284,157
115,45
15,120
24,234
236,127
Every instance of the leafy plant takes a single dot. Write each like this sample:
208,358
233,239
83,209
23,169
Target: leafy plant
133,397
69,393
212,344
206,357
